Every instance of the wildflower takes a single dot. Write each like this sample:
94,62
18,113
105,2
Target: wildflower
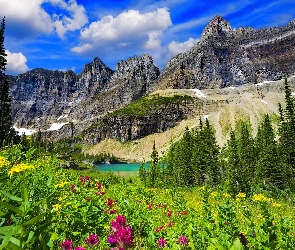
19,168
240,196
150,206
202,188
182,240
3,162
226,195
113,211
80,248
277,205
87,198
157,230
259,197
56,207
162,242
110,202
170,224
92,240
169,214
214,194
122,234
62,184
67,245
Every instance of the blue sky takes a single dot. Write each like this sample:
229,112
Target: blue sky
67,34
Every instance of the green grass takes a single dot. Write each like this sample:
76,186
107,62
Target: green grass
150,104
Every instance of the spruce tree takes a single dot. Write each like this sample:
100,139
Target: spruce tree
267,164
287,137
7,133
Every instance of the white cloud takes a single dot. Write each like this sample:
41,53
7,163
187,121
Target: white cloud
16,63
29,17
130,28
176,48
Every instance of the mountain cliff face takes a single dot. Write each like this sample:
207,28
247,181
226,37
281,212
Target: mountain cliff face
41,97
226,57
223,57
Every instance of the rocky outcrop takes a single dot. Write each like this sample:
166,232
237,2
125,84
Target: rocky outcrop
129,125
41,97
226,57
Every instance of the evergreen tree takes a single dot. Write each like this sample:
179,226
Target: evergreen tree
267,164
247,155
7,133
154,171
234,178
287,137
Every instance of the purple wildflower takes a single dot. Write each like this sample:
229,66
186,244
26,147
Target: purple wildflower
80,248
161,242
182,240
67,245
92,240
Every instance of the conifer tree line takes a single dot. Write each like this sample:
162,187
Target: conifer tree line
7,133
244,163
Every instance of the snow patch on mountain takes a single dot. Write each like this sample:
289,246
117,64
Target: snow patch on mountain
24,131
198,93
57,126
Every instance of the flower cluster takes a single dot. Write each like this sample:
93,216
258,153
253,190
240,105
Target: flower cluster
3,162
62,184
84,179
260,197
91,241
240,196
122,233
163,227
19,168
182,240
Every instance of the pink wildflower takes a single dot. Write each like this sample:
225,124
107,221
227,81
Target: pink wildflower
67,245
92,240
182,240
162,242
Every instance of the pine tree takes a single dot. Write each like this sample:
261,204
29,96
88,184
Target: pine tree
247,155
7,133
287,137
154,171
234,178
267,164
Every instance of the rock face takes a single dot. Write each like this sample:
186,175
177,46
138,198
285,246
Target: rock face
125,126
225,57
42,97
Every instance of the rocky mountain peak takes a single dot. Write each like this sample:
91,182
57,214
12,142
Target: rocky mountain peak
137,67
218,25
96,71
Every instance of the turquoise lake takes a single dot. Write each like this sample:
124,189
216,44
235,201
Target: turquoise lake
124,169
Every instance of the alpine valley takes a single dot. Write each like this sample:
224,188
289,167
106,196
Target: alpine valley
229,75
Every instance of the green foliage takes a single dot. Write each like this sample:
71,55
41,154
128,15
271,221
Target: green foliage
8,134
194,158
287,137
151,104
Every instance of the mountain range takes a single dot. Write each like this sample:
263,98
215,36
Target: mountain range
68,104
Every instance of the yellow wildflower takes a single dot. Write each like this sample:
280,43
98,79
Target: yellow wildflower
62,198
226,195
241,195
260,197
62,184
3,162
57,207
202,188
214,194
277,205
19,168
